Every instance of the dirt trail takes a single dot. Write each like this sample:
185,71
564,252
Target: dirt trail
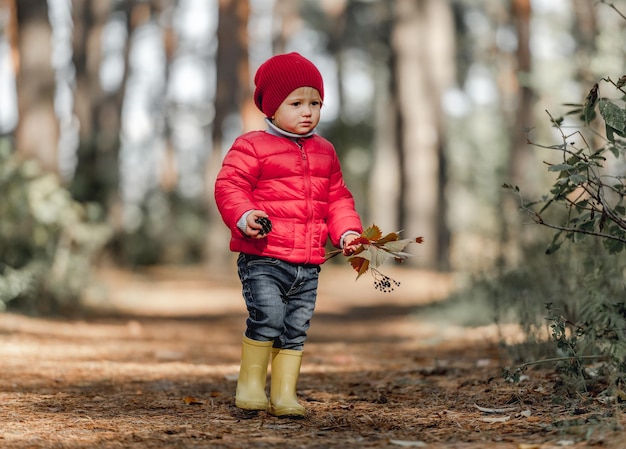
156,368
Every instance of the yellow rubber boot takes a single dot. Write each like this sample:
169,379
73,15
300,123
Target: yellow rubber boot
255,355
285,372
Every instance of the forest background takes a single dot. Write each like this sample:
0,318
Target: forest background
115,115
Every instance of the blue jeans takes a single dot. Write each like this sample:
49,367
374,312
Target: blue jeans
280,297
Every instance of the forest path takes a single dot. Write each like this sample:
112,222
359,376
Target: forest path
155,367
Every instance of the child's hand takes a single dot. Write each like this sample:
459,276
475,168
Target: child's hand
253,229
348,247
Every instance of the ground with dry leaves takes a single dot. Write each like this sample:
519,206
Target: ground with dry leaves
155,367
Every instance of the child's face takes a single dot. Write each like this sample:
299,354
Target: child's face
299,113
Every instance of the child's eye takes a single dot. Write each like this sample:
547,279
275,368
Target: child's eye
296,103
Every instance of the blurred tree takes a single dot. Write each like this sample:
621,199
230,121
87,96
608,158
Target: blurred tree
424,67
98,105
585,30
517,102
233,103
521,12
37,126
385,179
233,93
521,159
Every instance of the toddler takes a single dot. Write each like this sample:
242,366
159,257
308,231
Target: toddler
282,195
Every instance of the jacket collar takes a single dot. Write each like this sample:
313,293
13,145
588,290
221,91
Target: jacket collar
276,131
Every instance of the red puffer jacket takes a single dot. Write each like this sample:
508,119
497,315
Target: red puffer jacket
298,183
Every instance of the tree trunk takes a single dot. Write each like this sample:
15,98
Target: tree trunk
423,48
98,111
38,130
521,161
385,178
233,99
233,94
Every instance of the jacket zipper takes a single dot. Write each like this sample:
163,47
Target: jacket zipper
299,142
307,195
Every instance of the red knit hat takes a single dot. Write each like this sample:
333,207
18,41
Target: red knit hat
280,75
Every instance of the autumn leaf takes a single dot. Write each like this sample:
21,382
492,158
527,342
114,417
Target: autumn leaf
391,237
397,246
379,256
360,241
190,400
360,264
372,233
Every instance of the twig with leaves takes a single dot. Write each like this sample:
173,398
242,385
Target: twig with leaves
595,201
375,249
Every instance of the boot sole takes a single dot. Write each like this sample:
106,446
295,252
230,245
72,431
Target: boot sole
251,406
290,412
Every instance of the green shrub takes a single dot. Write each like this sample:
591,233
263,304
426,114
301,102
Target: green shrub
586,304
589,190
48,241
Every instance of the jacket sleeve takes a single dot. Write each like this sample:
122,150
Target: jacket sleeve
342,214
235,182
